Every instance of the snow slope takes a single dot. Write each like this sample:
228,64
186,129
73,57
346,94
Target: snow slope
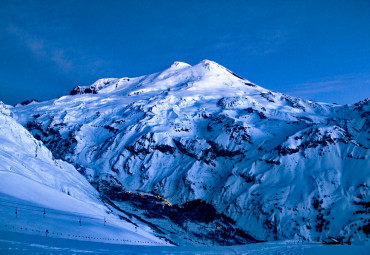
281,167
14,243
38,192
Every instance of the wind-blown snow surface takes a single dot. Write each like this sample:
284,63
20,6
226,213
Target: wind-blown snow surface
15,243
31,180
280,166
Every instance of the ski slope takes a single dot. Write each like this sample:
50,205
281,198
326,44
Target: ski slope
39,193
15,243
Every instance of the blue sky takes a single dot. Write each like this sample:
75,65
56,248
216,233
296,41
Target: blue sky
317,50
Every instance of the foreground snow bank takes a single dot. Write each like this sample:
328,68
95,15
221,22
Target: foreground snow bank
16,243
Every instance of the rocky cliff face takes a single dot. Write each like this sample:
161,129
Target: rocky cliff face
279,166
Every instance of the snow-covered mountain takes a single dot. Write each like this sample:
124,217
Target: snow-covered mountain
38,192
279,166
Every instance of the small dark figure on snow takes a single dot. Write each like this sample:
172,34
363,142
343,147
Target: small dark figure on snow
46,232
349,242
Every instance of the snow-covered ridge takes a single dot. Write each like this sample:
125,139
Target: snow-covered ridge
5,110
279,166
31,181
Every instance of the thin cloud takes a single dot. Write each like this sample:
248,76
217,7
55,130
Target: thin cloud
317,87
264,43
40,47
58,57
35,45
326,85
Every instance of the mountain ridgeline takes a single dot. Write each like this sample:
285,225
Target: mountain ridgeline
263,163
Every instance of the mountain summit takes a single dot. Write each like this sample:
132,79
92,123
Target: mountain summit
277,166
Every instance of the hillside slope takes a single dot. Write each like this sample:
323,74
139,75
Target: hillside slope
39,193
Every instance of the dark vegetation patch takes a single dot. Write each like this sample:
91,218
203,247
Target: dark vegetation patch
218,227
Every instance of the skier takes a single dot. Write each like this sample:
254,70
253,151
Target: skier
46,232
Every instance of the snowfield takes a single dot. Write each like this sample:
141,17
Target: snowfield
15,243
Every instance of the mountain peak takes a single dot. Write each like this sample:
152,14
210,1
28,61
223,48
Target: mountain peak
179,65
366,101
209,64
